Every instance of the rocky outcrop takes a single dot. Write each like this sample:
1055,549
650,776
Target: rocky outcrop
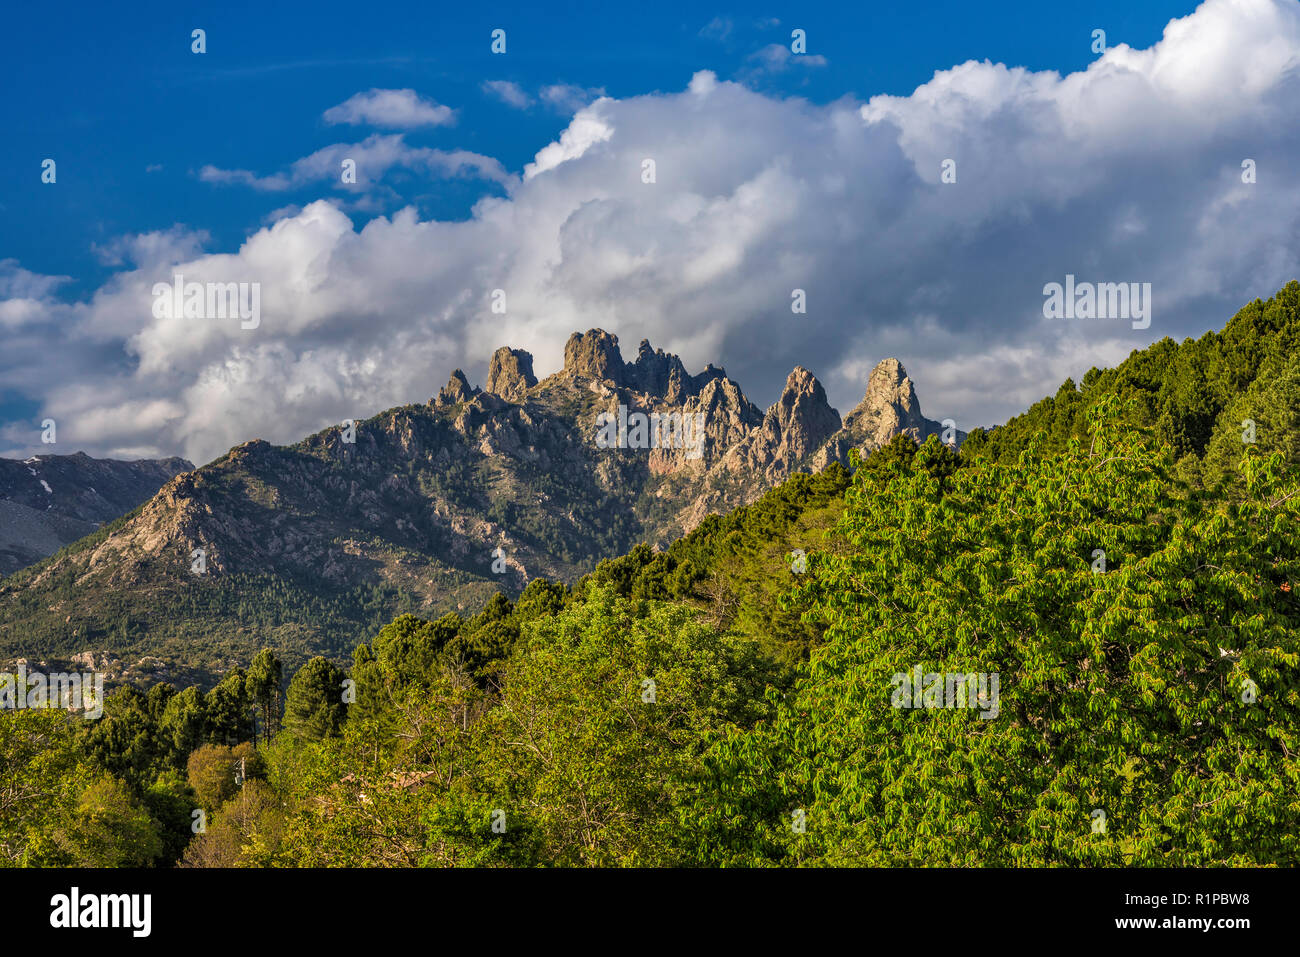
728,416
796,424
889,408
660,374
594,355
802,418
510,374
456,390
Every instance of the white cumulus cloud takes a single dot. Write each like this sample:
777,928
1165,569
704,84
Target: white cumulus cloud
1128,171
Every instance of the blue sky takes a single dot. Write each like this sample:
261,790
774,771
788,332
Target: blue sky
110,90
133,118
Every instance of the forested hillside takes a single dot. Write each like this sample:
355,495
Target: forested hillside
1193,396
1115,572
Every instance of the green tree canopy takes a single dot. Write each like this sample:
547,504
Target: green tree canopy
314,706
1123,692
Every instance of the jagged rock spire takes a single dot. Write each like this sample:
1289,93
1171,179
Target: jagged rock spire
795,425
456,390
510,374
595,355
802,414
889,406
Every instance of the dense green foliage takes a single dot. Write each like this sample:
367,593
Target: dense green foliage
1193,396
1122,688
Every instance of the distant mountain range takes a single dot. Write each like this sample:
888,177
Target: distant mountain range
425,508
49,501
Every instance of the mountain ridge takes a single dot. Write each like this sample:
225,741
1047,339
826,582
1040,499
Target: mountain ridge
429,508
49,501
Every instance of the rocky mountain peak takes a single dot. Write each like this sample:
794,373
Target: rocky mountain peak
510,374
803,411
458,389
888,370
594,355
660,374
889,406
795,425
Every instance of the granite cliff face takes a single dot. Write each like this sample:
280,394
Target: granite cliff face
432,508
